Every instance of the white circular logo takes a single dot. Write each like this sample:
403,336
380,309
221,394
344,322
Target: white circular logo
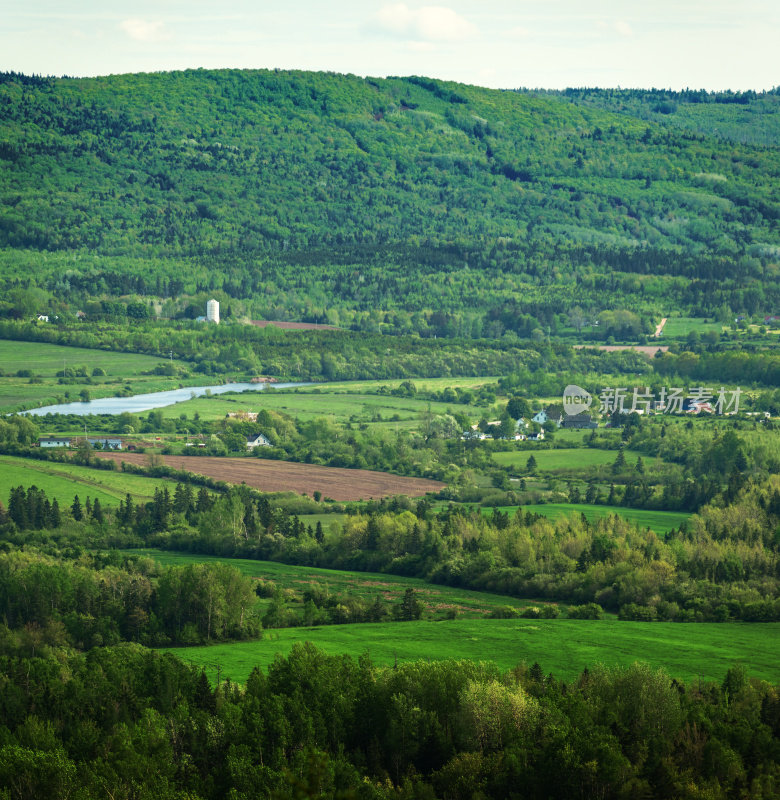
576,400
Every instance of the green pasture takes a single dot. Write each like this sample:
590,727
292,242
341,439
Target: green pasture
659,521
325,519
18,393
45,360
341,406
569,459
688,651
364,585
64,480
425,384
681,326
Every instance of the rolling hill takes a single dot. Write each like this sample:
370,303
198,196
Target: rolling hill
317,191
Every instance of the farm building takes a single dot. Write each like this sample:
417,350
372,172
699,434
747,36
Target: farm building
105,443
579,421
251,416
212,311
54,441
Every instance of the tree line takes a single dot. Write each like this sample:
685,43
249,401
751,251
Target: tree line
129,721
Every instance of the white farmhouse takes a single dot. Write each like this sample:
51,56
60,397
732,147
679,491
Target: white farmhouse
257,440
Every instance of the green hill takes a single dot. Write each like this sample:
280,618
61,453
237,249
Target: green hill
320,191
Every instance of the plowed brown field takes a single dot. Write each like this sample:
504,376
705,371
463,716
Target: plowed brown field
287,476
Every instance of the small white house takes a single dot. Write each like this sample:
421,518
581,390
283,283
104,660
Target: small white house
536,437
257,440
541,417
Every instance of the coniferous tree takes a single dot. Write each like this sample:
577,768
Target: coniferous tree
372,533
203,502
620,463
55,520
17,507
128,513
76,510
411,608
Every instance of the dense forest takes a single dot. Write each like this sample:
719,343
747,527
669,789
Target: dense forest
129,722
86,710
404,203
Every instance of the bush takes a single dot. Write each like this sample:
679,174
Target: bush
505,612
589,611
632,611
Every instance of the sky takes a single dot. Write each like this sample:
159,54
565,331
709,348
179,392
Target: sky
552,44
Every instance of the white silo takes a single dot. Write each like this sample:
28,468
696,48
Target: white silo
212,311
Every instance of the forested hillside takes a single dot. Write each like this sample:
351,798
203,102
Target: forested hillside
324,193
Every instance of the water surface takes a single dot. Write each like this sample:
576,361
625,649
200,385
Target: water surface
152,400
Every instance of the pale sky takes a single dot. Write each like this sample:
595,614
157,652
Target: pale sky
709,44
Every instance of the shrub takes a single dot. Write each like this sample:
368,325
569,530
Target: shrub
589,611
504,612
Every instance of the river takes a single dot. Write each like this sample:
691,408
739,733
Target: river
147,402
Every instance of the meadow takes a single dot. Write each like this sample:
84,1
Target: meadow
569,459
677,327
63,481
340,404
44,360
423,384
687,651
659,521
436,598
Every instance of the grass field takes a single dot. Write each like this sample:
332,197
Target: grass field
364,585
325,519
427,384
569,460
45,360
681,326
342,406
564,647
65,480
659,521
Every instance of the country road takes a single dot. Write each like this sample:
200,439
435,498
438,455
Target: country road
660,327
